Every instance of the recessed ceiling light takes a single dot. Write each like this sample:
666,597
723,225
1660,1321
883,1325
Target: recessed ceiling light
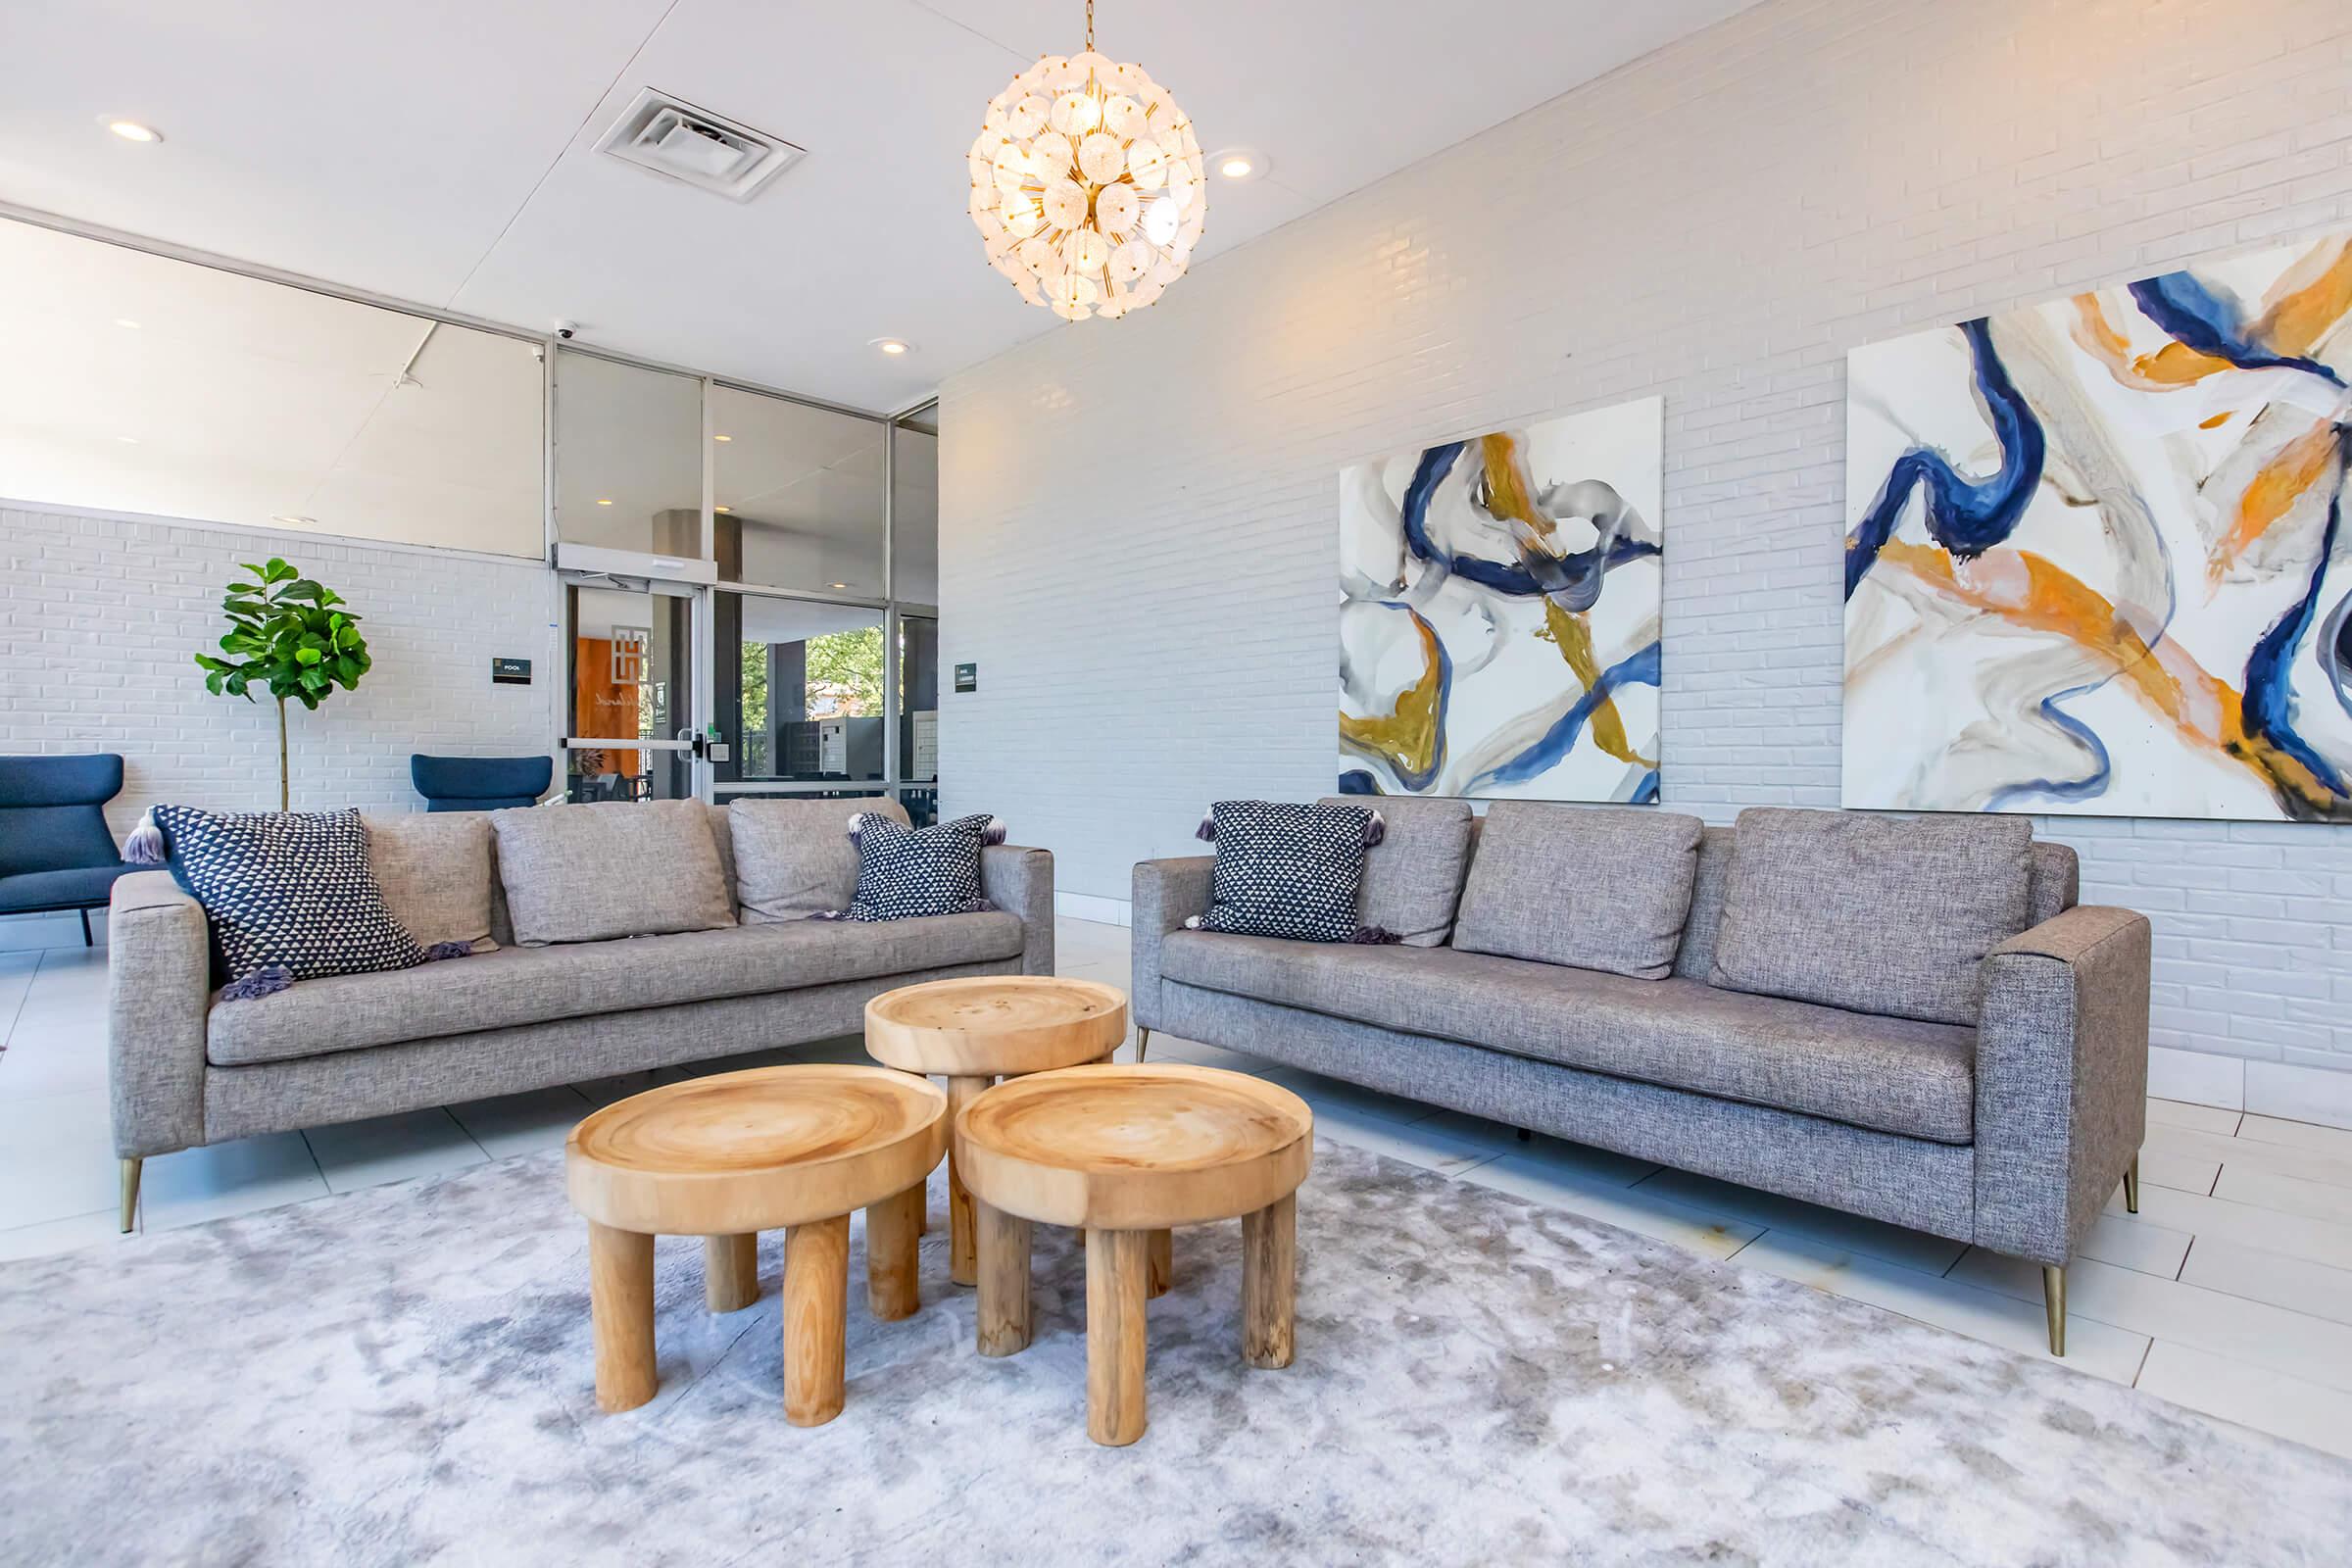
1240,165
132,131
841,585
722,438
893,346
128,440
723,509
297,522
604,501
125,320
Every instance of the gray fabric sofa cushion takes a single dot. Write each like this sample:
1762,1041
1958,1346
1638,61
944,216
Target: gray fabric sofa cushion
1414,876
1594,887
1893,1075
1882,913
587,874
435,870
517,986
795,858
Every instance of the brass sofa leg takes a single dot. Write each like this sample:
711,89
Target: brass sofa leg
2131,1186
1142,1037
130,1192
2053,1300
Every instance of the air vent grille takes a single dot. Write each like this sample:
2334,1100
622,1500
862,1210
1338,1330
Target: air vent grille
674,138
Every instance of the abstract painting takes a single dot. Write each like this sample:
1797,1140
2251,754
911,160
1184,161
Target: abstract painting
1499,614
2095,554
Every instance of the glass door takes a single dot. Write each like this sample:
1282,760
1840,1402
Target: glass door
632,730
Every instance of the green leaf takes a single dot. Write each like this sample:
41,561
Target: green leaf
277,570
308,656
348,670
313,680
303,589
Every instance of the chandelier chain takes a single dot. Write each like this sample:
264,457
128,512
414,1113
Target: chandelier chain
1090,26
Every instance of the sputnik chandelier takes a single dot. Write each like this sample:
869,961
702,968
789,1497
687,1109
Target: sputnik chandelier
1087,184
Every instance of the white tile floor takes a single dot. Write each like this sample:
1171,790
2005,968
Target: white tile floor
2230,1291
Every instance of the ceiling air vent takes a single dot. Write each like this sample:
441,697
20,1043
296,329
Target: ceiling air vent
674,139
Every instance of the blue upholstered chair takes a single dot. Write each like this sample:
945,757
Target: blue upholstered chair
480,783
56,851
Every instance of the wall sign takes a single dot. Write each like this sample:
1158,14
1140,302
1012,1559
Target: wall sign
967,678
511,671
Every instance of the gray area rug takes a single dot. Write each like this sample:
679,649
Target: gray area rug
403,1376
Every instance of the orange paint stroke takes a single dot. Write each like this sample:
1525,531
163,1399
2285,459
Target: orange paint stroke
2293,323
2272,493
2296,323
2026,590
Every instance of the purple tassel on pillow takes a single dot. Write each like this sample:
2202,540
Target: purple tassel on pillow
448,950
1206,832
1374,936
145,846
1376,828
267,981
829,915
994,833
856,825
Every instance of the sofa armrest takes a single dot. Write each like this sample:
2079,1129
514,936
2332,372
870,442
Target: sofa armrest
1020,881
1167,894
159,989
2062,1078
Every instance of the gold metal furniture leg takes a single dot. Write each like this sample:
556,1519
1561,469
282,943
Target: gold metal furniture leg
130,1193
2053,1300
1142,1037
2131,1186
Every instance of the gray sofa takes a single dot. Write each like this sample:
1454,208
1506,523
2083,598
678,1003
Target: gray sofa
2009,1134
190,1069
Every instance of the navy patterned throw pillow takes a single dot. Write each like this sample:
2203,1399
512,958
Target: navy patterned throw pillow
1285,871
288,895
905,873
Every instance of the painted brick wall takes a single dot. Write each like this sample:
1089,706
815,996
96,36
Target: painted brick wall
103,615
1138,517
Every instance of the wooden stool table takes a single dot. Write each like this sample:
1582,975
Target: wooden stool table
980,1028
727,1157
1126,1152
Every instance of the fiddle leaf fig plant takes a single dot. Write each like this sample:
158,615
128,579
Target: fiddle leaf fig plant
287,635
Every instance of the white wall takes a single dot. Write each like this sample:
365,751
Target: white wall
104,615
1138,517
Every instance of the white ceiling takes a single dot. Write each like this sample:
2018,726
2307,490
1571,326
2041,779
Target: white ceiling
441,151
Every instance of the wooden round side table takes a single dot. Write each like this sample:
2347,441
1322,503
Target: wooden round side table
974,1030
725,1157
1126,1152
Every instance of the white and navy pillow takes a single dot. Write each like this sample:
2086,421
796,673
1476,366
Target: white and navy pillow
288,895
1288,870
905,873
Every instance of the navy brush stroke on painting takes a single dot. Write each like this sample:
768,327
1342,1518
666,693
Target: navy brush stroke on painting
2269,706
2090,786
1967,516
1577,575
1640,668
2202,319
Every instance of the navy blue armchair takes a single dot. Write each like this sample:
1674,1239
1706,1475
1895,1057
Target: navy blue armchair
480,783
56,851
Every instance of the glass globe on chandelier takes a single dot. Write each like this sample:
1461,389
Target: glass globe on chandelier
1087,186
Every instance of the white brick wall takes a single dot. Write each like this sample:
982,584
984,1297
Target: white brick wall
104,615
1138,517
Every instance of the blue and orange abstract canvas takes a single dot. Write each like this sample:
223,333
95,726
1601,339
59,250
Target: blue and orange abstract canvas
1499,612
2095,552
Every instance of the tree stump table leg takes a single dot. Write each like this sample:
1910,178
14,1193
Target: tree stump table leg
1003,1325
962,1253
1162,1264
621,1304
730,1271
893,1237
817,1303
1116,1266
1269,1282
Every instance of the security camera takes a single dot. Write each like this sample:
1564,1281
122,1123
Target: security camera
564,329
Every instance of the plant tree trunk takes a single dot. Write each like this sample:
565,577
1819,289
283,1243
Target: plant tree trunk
283,796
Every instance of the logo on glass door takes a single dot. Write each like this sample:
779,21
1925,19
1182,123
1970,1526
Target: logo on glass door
630,646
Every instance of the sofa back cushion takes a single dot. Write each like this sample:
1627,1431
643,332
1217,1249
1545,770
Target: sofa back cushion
1414,876
795,858
1598,888
436,873
1873,913
2056,887
621,869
